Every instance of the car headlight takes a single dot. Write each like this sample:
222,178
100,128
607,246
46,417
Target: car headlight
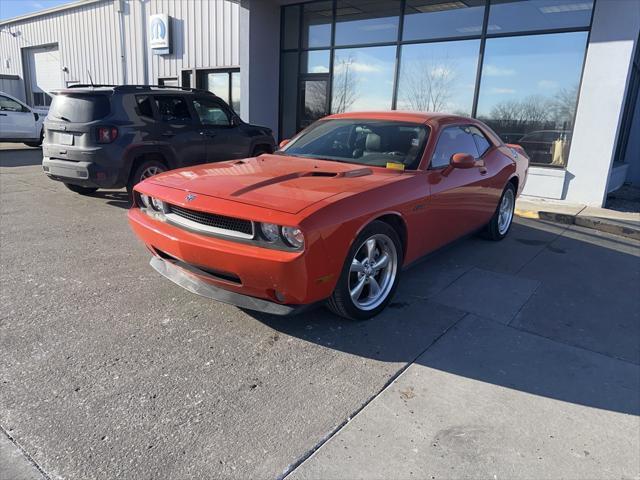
146,200
270,231
157,204
293,236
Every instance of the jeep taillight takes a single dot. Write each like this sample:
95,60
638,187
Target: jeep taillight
107,134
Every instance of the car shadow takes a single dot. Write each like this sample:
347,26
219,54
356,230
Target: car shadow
21,158
115,198
574,339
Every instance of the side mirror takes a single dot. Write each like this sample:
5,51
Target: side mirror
459,160
462,160
283,143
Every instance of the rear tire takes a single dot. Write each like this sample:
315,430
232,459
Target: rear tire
81,190
146,169
500,223
368,281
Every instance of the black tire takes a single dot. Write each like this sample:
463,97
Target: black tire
340,301
494,231
140,173
38,143
81,190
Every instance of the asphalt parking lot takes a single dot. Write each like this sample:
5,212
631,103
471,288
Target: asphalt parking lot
518,359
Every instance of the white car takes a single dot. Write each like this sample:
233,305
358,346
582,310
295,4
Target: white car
19,122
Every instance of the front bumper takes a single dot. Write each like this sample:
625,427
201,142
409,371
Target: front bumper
186,276
274,281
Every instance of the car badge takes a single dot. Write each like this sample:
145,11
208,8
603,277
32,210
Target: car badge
190,197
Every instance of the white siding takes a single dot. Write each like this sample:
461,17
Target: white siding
204,35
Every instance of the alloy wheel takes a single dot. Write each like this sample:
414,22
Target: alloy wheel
505,214
372,272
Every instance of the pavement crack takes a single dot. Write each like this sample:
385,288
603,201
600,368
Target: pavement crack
292,467
25,453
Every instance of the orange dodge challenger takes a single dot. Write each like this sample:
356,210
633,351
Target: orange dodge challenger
334,215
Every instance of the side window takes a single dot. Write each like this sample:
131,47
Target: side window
8,105
144,106
211,112
452,140
173,109
481,141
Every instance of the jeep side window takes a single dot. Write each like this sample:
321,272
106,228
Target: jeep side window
173,109
144,106
211,112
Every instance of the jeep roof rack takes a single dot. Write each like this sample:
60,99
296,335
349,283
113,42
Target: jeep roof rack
134,88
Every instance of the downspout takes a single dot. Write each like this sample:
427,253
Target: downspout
145,44
123,60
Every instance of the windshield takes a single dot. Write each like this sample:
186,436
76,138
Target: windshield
366,142
79,108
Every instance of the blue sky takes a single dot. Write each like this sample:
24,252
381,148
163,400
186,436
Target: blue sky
15,8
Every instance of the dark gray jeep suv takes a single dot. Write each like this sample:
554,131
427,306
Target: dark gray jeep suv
105,136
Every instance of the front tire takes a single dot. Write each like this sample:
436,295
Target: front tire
146,169
370,274
500,223
81,190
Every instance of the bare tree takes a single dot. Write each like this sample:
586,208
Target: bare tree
427,85
563,106
345,85
533,110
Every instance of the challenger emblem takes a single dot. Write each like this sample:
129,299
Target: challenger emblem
190,197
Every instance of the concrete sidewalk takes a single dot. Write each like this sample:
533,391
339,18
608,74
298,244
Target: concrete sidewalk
540,379
625,224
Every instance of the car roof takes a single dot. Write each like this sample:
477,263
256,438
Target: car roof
405,116
110,89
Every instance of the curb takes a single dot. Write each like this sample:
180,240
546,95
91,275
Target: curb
615,227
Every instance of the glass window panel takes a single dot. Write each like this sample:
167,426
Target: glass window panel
363,79
372,21
529,91
427,19
314,101
291,27
315,61
525,15
438,77
316,24
218,83
235,91
288,89
452,140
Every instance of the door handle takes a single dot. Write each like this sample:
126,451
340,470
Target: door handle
208,133
483,171
168,134
3,114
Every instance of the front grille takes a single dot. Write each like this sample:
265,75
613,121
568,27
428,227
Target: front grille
212,220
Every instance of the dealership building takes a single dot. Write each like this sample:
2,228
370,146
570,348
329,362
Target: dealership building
560,77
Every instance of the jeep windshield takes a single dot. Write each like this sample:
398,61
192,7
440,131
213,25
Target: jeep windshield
364,142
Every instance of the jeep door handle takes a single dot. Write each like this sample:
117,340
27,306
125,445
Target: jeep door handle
168,134
208,134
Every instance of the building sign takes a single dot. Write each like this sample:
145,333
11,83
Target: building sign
160,34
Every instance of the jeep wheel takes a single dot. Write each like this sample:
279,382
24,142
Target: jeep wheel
145,170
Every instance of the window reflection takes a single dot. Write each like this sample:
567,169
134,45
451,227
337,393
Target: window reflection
438,77
235,91
363,79
367,22
529,90
427,19
316,24
527,15
315,61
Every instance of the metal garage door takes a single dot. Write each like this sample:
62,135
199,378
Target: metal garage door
43,73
